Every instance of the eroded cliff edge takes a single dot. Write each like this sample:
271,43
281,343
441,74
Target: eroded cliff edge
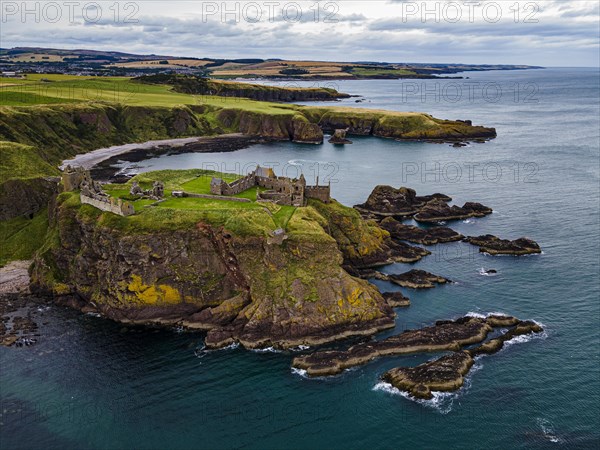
206,271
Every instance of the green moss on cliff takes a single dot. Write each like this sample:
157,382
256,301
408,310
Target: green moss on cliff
356,237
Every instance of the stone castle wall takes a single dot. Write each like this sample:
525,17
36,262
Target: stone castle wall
322,193
111,205
282,190
242,184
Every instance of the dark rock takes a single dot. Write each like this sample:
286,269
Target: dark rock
496,246
402,252
438,211
417,279
425,236
447,373
443,374
444,335
396,299
387,201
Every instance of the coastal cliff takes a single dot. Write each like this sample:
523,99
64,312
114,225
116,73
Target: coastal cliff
34,140
203,271
194,85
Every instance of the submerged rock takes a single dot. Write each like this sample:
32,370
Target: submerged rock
425,236
496,246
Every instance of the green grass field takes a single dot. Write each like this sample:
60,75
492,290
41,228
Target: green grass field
237,216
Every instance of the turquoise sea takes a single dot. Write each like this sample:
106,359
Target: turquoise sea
90,384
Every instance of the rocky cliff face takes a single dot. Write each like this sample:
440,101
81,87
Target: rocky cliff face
26,197
239,288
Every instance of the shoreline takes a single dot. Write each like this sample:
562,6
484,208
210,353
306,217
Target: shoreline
91,159
105,169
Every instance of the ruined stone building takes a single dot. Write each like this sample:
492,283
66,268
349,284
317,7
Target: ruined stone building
280,190
91,192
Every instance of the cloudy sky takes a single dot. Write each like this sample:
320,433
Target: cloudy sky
543,32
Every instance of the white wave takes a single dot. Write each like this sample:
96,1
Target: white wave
475,314
548,430
481,315
232,346
485,273
266,350
441,401
441,222
468,221
300,348
300,372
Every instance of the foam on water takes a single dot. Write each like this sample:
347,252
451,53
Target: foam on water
548,430
266,350
441,401
485,273
300,372
300,348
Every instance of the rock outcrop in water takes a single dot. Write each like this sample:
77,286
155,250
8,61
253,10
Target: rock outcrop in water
439,211
496,246
425,236
401,203
444,335
339,138
396,299
447,373
386,201
417,279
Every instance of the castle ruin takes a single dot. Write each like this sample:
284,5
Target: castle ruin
91,192
280,190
